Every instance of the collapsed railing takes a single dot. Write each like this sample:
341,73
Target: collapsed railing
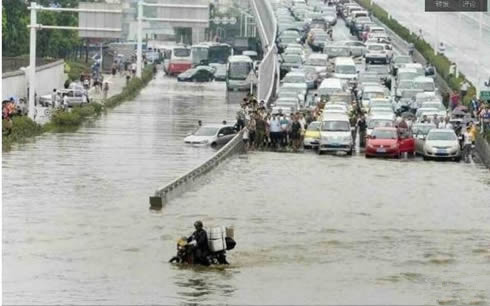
176,187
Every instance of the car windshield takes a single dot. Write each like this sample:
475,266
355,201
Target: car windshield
206,131
333,126
182,52
294,79
345,69
239,70
384,134
373,95
402,60
422,129
405,85
441,136
425,86
380,123
292,58
338,51
316,62
375,48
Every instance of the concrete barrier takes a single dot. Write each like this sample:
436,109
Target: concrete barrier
268,68
483,150
183,182
48,76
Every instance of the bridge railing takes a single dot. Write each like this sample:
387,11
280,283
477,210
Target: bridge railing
177,186
268,68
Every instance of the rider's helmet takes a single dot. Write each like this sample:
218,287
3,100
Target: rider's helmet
198,224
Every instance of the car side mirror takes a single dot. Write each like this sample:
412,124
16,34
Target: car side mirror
221,135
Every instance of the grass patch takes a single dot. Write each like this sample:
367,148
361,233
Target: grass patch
21,127
441,62
75,68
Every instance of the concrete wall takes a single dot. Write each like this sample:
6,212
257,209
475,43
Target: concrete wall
48,76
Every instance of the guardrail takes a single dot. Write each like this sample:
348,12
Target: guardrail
176,187
268,68
483,149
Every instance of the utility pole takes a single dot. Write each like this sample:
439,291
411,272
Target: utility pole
139,51
480,48
32,61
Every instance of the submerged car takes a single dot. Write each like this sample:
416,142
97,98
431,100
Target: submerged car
385,141
442,144
312,135
211,134
198,74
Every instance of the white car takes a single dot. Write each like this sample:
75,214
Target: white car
442,144
376,53
335,134
211,134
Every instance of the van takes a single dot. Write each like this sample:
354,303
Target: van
335,134
345,69
331,86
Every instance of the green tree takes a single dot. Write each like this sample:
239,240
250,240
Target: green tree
15,34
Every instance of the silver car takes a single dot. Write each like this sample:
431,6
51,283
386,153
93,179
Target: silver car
442,144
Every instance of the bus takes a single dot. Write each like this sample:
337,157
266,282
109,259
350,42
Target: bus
200,54
219,53
239,67
179,59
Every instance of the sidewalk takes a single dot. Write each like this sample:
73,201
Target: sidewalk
116,85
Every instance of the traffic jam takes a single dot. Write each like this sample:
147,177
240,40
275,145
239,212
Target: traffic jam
357,88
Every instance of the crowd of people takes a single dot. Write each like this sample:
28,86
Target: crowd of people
263,130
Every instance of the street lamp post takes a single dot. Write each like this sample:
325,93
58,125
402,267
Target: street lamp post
32,61
139,51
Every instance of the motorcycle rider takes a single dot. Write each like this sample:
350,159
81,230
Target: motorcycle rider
199,240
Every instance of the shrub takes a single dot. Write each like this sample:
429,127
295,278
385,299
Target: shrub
18,129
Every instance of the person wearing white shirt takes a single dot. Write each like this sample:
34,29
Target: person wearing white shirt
275,130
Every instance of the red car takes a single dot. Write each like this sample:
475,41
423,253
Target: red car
386,141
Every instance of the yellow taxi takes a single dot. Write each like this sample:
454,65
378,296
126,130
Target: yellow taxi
312,135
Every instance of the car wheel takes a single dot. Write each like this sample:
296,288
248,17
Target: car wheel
349,152
426,157
319,152
368,156
214,145
457,159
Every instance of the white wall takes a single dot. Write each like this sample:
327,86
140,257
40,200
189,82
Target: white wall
48,76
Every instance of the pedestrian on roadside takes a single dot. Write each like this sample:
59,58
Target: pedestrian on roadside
245,137
106,90
362,126
252,129
446,124
436,121
295,133
260,131
467,142
64,106
275,131
302,122
474,105
464,89
284,130
128,77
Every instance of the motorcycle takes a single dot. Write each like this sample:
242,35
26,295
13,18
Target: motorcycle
186,253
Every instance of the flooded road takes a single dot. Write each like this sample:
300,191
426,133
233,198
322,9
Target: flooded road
310,229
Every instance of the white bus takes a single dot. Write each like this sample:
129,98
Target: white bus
239,67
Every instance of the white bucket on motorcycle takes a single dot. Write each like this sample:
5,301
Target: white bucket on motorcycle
216,239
